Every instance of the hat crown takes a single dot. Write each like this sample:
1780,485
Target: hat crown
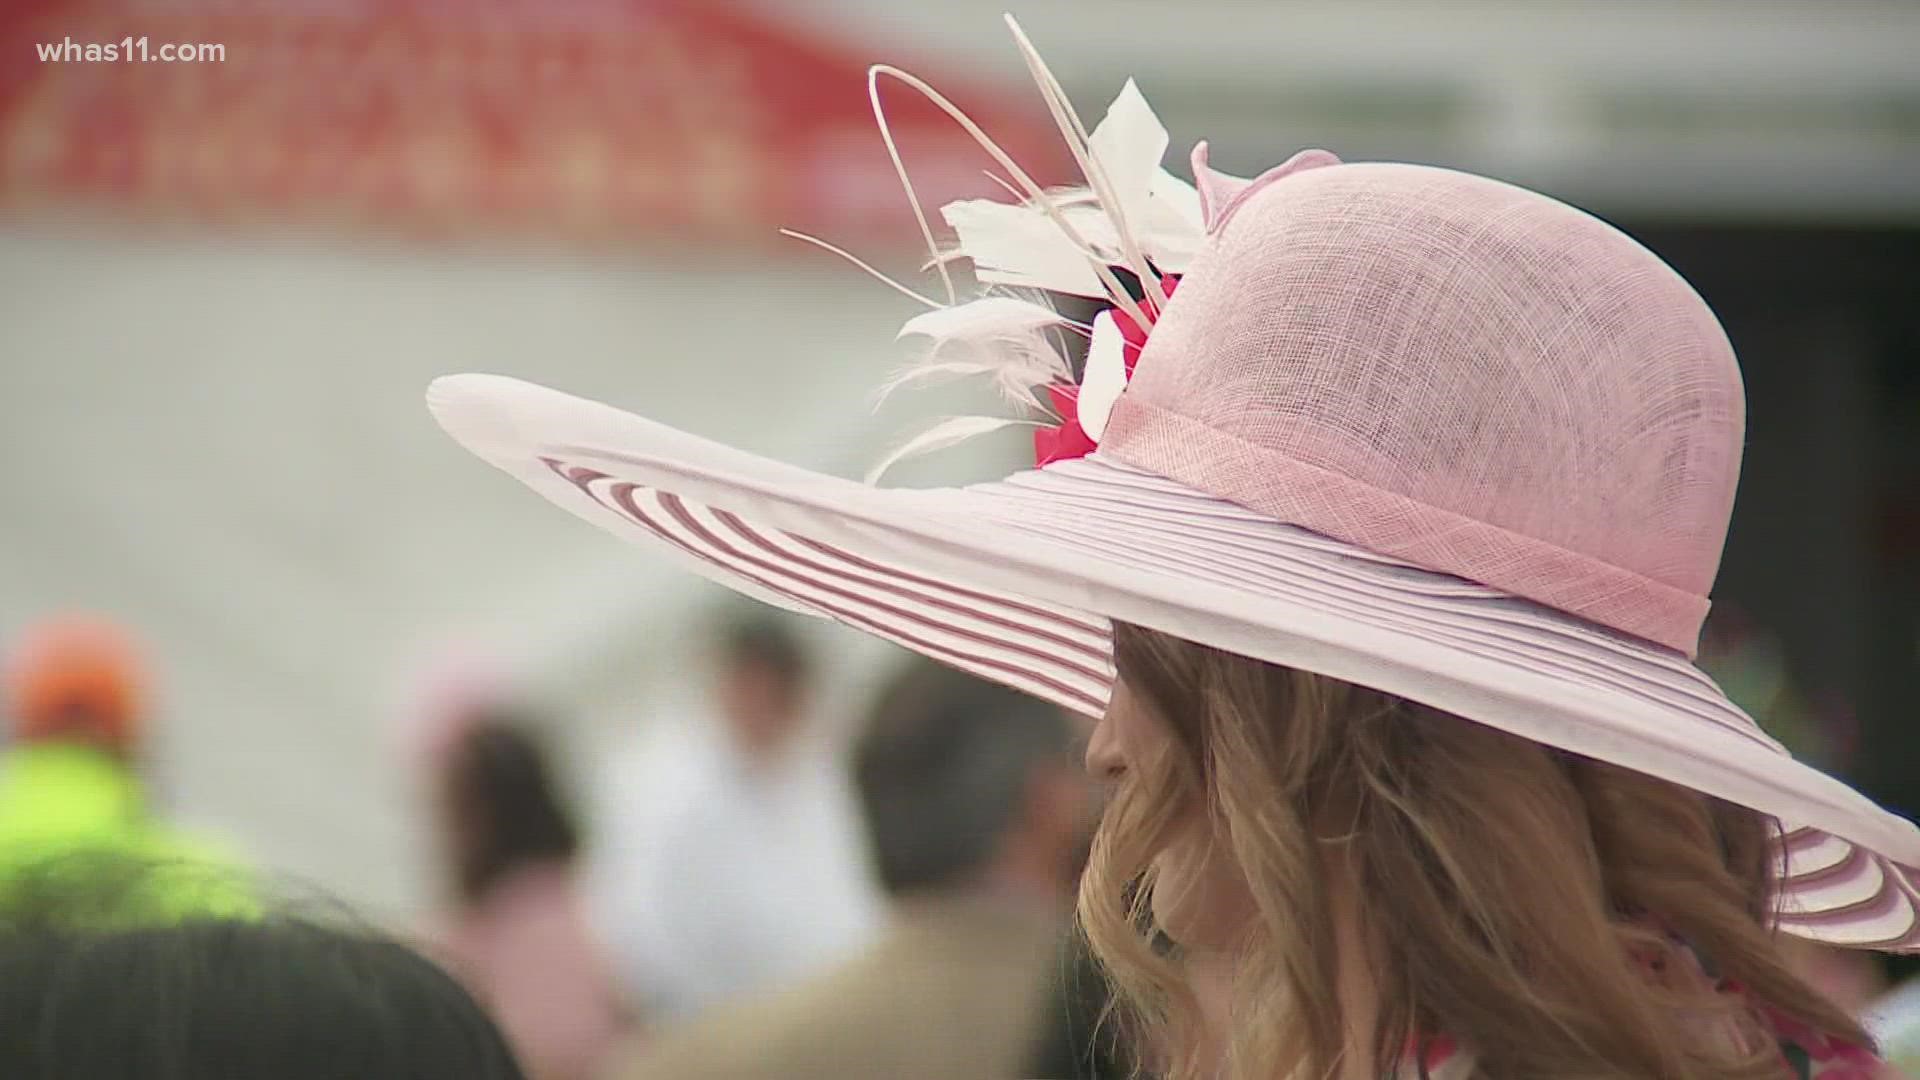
1460,373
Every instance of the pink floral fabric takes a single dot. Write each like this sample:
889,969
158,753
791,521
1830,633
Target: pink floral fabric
1810,1056
1805,1054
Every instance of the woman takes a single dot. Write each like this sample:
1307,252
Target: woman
1450,884
1396,524
516,932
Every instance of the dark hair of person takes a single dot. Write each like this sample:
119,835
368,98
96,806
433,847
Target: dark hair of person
1077,1042
768,644
508,811
114,996
943,768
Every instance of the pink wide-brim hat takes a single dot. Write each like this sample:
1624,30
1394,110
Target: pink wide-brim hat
1408,427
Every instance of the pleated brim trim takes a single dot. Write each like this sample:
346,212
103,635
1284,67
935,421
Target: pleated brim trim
1016,581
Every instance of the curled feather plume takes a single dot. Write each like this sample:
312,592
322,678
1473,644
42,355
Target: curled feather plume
1131,219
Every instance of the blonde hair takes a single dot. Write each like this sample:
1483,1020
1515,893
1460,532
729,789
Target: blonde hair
1511,887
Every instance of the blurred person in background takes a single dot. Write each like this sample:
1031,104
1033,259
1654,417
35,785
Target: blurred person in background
515,929
979,817
730,856
102,977
70,778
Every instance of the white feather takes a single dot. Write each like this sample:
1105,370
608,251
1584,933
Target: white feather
1174,231
1170,236
987,317
1129,145
1064,241
1176,203
929,371
1001,337
1020,245
1019,388
1106,376
938,437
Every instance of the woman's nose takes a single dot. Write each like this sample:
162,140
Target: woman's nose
1103,752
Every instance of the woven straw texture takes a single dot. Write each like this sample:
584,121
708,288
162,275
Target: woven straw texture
1456,372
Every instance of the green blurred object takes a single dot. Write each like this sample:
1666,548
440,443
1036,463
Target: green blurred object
79,849
1751,666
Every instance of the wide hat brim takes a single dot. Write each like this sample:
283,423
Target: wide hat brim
1017,580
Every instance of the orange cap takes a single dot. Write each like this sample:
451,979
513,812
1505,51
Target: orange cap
76,677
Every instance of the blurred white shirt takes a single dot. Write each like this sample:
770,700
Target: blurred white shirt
713,877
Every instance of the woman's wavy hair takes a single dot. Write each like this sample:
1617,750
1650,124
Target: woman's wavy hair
1520,899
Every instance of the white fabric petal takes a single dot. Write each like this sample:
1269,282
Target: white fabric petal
1106,375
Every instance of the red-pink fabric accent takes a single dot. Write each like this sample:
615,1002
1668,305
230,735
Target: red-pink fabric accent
1067,439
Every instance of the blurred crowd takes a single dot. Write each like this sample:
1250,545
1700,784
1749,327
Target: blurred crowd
762,894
